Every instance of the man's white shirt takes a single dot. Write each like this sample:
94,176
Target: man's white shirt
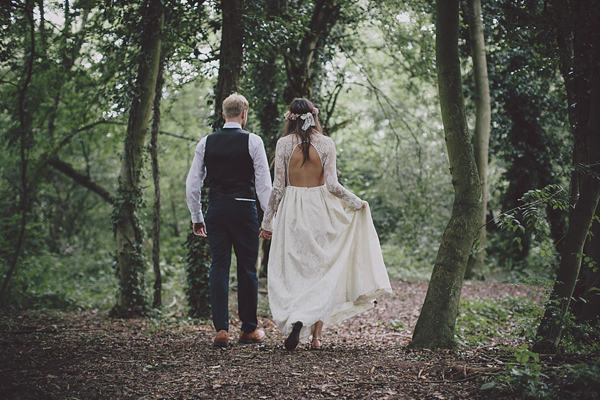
197,174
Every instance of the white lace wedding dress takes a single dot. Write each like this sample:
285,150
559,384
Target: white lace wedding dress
325,260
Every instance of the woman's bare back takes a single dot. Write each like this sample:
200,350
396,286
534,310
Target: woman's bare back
308,175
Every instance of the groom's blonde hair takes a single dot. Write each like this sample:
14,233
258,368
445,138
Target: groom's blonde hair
234,104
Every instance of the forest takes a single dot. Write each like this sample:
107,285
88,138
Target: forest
471,127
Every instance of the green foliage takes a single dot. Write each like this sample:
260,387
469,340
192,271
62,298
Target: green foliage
374,76
198,283
530,138
528,377
83,279
547,196
578,337
579,381
396,325
484,322
524,375
530,222
407,264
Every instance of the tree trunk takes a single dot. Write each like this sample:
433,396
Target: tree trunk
583,30
198,257
157,300
265,79
299,60
231,55
585,304
550,330
590,310
482,129
25,143
435,327
128,233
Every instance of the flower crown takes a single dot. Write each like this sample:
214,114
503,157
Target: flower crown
308,118
292,117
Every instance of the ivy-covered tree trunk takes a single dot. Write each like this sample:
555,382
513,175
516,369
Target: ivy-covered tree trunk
267,78
435,326
299,60
481,138
157,300
582,65
231,55
230,67
129,234
197,269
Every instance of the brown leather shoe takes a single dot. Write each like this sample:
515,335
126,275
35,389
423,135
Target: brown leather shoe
221,339
255,337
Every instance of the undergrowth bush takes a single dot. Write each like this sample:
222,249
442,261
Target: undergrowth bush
526,376
483,322
65,282
415,266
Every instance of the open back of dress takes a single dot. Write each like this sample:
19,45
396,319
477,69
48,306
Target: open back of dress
308,173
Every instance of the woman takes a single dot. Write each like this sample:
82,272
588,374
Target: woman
325,262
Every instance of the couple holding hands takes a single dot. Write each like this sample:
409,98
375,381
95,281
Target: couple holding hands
325,262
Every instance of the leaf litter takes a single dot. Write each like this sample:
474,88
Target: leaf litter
86,354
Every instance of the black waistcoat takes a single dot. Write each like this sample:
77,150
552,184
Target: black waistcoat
229,167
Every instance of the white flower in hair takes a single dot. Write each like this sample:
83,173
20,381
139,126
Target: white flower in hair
309,120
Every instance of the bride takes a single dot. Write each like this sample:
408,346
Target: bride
325,262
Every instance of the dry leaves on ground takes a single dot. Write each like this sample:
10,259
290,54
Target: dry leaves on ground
85,355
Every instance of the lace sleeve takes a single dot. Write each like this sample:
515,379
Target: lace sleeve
332,183
278,188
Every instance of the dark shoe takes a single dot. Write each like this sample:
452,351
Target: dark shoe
294,338
221,339
255,337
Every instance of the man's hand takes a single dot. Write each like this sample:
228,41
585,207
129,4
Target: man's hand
199,229
265,234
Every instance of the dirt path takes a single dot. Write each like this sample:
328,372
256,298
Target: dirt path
87,356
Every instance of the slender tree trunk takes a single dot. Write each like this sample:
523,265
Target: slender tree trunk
550,330
265,78
590,275
157,301
25,144
175,224
268,115
583,36
231,58
128,233
482,129
435,327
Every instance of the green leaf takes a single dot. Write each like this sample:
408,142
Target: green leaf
488,385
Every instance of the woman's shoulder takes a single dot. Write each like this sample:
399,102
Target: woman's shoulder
285,139
320,138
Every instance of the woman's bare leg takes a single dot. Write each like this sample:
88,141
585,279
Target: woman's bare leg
317,335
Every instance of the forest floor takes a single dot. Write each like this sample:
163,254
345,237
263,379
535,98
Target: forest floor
86,354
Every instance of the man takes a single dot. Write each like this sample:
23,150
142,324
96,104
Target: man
234,164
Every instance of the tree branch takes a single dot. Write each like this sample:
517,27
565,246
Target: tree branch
82,179
85,128
178,136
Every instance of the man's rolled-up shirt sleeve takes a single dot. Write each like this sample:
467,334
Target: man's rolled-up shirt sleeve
195,181
262,177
